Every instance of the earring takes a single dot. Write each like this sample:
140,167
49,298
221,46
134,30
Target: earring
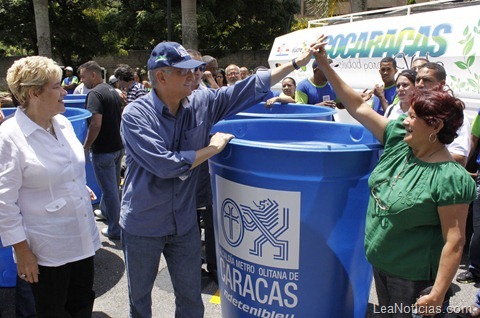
430,137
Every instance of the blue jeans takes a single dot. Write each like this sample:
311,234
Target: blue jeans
107,168
183,256
474,248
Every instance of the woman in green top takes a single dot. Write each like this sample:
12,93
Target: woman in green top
419,198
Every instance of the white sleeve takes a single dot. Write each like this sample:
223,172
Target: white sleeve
461,144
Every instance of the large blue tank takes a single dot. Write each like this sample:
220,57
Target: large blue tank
286,111
75,103
290,201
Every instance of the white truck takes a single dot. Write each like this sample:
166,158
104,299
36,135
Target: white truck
447,32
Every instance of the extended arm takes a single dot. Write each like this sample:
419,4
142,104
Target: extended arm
283,70
352,101
280,99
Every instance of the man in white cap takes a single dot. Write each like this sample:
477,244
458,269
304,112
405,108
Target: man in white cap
70,81
166,136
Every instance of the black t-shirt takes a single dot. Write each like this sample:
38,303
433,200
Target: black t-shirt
103,99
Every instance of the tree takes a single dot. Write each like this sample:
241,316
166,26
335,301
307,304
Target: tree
42,26
244,24
81,29
189,24
322,8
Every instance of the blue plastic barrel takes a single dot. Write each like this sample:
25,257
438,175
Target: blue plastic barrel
75,103
286,111
290,201
8,268
77,117
75,96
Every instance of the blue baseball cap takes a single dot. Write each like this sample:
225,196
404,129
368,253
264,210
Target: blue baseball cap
171,54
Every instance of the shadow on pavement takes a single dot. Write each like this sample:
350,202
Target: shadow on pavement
109,269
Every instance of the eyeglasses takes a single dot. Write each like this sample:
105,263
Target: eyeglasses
201,68
233,74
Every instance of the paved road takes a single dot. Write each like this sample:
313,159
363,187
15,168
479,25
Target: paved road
112,299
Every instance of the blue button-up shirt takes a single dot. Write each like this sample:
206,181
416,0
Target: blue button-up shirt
159,189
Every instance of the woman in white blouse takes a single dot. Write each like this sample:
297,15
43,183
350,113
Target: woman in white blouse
45,208
405,88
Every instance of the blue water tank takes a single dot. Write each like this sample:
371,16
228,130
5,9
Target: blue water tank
290,201
286,111
8,268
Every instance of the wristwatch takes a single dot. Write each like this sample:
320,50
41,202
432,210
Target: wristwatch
294,63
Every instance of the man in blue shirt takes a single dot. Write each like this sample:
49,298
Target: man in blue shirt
386,94
316,90
70,81
166,134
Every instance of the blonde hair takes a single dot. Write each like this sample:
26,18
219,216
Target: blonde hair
31,72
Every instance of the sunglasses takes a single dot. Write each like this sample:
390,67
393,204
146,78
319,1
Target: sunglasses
201,68
184,71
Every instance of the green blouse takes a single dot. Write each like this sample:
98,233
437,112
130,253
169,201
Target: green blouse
403,235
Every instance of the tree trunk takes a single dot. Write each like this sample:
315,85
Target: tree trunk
42,26
358,5
189,24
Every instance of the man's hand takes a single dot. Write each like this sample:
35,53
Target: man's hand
219,141
328,103
378,90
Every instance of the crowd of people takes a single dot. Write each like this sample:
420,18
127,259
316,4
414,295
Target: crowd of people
420,191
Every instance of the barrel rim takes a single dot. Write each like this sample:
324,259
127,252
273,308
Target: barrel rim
325,147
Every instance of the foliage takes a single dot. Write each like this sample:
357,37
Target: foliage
81,29
299,24
322,8
75,34
17,27
244,24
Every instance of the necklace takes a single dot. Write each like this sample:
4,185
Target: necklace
382,205
430,155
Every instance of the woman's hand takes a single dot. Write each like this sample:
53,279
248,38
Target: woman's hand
93,197
269,102
27,266
318,49
429,305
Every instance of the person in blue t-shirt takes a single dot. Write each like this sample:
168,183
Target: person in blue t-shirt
316,90
70,81
385,94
